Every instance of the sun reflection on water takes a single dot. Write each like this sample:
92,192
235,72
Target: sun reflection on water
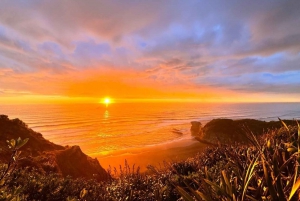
106,115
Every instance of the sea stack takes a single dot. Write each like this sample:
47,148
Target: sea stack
196,128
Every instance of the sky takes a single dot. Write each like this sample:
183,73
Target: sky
192,50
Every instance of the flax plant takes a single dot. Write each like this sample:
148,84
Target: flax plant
268,169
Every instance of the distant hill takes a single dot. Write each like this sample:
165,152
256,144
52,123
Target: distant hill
228,130
46,156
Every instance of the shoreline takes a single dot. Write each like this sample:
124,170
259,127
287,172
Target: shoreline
155,155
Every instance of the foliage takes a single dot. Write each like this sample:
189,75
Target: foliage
7,169
267,169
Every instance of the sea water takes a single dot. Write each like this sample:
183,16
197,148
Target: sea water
99,129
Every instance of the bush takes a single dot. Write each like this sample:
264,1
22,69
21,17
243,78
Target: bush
266,169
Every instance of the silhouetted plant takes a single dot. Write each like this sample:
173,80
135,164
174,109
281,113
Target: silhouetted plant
267,169
7,170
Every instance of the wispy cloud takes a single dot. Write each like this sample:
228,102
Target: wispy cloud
150,48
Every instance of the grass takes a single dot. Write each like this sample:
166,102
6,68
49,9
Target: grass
265,169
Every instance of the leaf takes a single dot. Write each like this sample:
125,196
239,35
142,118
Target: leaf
294,188
229,187
21,143
249,175
192,190
285,126
292,150
12,143
298,129
204,197
217,188
18,141
184,194
269,144
269,182
251,198
83,192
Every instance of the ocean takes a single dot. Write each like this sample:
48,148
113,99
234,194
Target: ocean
99,129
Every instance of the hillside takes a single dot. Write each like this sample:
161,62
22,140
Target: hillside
228,130
265,169
46,156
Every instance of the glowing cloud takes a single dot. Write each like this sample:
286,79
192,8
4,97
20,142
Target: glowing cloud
141,50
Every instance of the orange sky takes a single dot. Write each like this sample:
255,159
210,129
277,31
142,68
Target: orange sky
63,52
91,86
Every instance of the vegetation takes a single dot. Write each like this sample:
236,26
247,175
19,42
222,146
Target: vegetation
265,169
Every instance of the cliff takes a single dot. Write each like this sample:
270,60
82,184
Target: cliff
46,156
228,130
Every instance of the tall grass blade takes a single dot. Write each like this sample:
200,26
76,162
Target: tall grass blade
198,197
251,198
249,175
294,188
298,157
269,182
228,185
284,124
184,194
204,197
217,188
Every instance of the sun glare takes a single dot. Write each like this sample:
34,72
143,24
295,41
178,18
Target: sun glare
106,101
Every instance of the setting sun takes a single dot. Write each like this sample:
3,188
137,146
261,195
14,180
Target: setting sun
108,95
106,101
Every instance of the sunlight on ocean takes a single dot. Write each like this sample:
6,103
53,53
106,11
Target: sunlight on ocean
97,129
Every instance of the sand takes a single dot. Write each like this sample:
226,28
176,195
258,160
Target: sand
155,155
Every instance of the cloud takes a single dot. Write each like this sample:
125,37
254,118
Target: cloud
228,45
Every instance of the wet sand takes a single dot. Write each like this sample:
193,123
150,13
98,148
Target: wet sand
154,155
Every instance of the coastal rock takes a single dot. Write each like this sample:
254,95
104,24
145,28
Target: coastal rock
46,156
228,130
196,128
72,161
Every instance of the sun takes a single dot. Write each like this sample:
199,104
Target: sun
107,101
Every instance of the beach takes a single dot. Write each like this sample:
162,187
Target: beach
157,155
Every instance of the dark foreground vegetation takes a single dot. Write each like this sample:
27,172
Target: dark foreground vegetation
265,168
45,156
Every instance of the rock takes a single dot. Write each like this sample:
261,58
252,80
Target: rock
72,161
46,156
196,128
228,130
223,130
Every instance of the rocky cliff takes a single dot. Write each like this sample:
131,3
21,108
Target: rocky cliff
228,130
46,156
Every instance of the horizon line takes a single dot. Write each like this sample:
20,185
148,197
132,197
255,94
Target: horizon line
30,100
